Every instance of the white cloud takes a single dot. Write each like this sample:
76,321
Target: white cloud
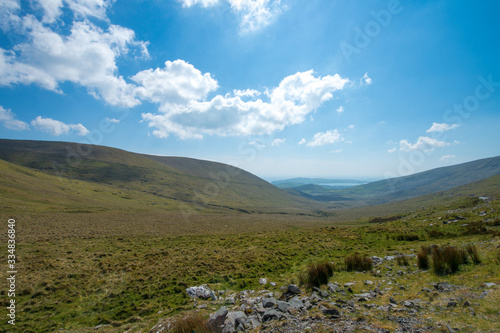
86,56
351,126
287,104
302,141
7,119
56,127
392,150
441,127
246,93
423,143
323,138
336,151
278,142
447,157
366,80
254,14
340,109
113,120
178,83
9,10
52,9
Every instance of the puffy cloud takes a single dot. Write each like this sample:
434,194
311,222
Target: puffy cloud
423,143
56,127
287,104
441,127
254,14
340,109
323,138
86,56
9,10
246,93
302,141
178,83
7,119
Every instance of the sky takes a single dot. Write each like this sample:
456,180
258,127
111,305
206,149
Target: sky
324,88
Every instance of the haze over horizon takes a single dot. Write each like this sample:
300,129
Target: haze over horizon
282,89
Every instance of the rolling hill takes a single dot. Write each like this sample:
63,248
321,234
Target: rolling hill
37,173
401,188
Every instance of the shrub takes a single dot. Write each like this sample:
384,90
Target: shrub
496,256
193,322
476,229
435,234
407,237
474,255
317,274
402,260
447,260
423,258
356,262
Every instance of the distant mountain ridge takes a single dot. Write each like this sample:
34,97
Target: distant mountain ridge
407,187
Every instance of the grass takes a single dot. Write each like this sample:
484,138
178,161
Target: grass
317,274
358,263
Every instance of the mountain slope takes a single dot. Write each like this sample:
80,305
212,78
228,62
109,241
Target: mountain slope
401,188
195,183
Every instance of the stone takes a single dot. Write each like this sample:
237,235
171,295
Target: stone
296,303
230,301
271,315
201,292
283,306
392,300
272,284
452,304
269,302
408,304
262,281
233,320
217,319
377,260
489,284
333,313
443,286
368,283
293,289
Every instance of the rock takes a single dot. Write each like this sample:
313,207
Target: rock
471,311
269,302
349,290
466,304
271,315
201,292
489,284
230,301
272,284
333,287
262,281
408,304
333,313
389,258
368,283
217,319
443,286
233,320
283,306
293,289
296,303
452,304
377,260
392,300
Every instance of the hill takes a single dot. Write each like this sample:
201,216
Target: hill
74,173
401,188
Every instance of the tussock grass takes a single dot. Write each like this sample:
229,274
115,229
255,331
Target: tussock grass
193,322
474,255
447,259
317,274
403,260
359,263
423,257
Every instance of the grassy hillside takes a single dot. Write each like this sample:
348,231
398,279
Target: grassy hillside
401,188
148,180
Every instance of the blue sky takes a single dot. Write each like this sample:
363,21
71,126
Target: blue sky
365,89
